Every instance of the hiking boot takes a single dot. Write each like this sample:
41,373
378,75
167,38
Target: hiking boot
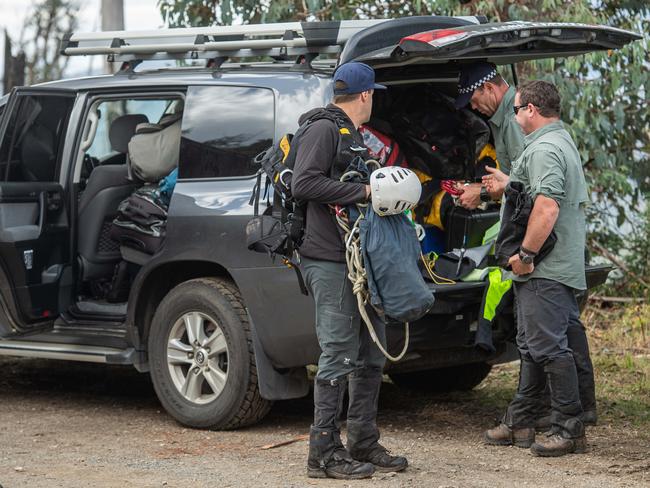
327,456
329,459
502,435
589,417
381,459
553,445
363,434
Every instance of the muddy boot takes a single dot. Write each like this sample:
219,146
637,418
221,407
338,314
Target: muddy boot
553,445
567,432
502,435
363,434
327,456
329,459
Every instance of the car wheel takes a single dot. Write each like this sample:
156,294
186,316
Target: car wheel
443,380
201,357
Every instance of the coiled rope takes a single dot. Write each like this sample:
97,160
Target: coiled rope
357,271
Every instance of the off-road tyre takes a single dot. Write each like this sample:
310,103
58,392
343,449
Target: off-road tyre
239,404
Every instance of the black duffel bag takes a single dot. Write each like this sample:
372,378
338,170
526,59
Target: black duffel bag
514,221
141,220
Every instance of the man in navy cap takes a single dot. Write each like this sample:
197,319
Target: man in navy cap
328,141
483,88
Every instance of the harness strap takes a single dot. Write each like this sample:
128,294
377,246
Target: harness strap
290,263
255,196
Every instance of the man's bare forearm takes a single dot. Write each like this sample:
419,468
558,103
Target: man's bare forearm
541,222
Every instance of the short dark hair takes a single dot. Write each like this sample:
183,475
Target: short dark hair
541,94
348,97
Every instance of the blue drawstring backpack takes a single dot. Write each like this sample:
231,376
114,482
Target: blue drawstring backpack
391,251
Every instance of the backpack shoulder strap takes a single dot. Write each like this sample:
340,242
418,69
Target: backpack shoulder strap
322,114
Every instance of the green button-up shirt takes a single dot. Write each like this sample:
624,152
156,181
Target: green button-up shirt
550,165
508,136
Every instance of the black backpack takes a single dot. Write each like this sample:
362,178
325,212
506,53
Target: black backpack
280,230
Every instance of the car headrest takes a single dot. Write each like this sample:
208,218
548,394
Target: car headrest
165,121
122,129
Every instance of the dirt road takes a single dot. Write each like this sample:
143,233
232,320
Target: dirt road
83,425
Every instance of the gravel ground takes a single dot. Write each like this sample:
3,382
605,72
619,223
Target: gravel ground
81,425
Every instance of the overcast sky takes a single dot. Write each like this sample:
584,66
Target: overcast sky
138,15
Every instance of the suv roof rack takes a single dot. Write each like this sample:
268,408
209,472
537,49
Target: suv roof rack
303,41
280,40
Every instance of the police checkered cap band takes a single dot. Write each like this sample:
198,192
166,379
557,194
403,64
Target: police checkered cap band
477,84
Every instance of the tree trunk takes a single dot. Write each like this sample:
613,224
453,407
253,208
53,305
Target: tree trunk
112,19
14,68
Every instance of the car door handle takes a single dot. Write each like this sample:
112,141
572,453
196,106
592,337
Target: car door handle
53,200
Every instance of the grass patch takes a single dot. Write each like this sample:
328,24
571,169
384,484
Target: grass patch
620,351
623,388
619,339
620,329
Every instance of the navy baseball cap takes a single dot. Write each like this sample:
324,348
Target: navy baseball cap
472,76
358,77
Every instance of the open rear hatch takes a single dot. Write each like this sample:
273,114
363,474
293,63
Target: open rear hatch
435,55
500,43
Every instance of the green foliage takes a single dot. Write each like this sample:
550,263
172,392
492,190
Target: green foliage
177,13
604,93
605,107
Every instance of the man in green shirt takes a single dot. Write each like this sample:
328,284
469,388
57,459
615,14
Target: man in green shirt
482,87
551,171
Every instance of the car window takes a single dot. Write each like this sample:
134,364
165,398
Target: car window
224,128
31,146
110,110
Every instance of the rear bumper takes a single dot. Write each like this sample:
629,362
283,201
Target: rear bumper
445,336
597,274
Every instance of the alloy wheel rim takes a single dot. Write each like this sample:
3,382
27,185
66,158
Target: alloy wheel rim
197,357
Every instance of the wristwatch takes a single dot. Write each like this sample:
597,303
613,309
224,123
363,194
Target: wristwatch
526,256
485,196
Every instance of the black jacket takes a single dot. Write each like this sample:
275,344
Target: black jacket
311,182
514,222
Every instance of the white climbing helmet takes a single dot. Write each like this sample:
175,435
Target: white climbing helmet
394,189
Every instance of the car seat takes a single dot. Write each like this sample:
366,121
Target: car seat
107,186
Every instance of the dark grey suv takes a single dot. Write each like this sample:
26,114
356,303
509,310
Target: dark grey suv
223,331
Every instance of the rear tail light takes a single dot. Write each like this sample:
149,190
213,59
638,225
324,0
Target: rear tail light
438,37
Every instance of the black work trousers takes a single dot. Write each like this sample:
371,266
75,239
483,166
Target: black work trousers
545,311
